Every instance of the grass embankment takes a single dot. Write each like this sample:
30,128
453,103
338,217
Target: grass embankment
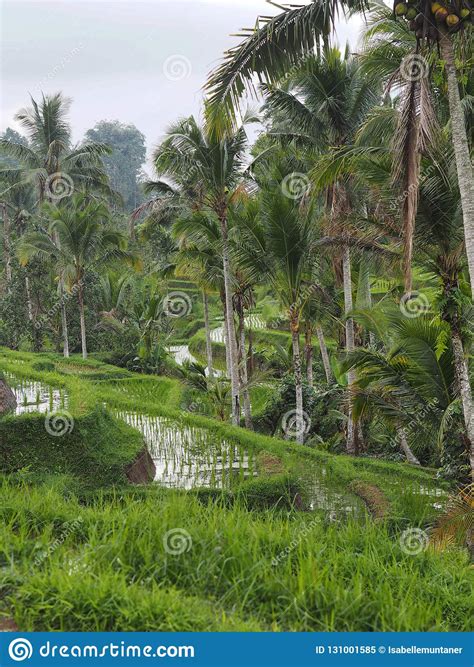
96,452
77,558
156,396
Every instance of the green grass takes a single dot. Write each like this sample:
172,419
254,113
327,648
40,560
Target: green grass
96,451
113,572
77,557
157,396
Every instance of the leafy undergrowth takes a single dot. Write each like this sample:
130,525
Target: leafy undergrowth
108,564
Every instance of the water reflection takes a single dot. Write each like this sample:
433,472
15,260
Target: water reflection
187,456
34,396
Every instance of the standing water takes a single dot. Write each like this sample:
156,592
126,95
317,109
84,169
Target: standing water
187,456
34,396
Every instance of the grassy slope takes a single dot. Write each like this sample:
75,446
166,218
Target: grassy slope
111,571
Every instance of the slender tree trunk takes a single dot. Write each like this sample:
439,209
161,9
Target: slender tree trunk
250,357
324,354
63,320
7,245
36,330
295,338
462,377
308,351
461,152
29,303
80,298
232,343
365,297
405,447
346,269
205,302
243,372
226,344
63,304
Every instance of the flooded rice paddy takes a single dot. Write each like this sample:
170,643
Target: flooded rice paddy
187,456
34,396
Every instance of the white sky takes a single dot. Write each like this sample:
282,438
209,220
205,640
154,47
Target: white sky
121,59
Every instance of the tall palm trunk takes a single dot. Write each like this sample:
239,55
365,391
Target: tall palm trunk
37,337
205,302
461,152
7,245
80,298
29,303
324,354
232,343
243,371
347,280
226,343
308,350
462,377
405,447
364,295
63,304
295,338
64,320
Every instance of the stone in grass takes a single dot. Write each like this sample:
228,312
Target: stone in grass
7,397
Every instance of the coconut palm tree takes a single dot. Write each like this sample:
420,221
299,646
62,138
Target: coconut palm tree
77,237
324,101
50,164
439,246
277,44
408,381
216,163
200,258
280,245
441,250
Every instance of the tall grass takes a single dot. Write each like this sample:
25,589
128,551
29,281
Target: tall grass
113,571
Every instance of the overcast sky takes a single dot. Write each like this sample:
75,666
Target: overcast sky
137,62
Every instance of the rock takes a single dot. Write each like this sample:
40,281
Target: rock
142,470
8,625
7,398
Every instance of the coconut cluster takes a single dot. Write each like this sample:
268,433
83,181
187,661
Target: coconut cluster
427,18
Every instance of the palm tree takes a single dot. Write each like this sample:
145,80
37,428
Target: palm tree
441,247
200,258
408,383
277,44
77,237
279,244
216,163
325,100
50,164
439,243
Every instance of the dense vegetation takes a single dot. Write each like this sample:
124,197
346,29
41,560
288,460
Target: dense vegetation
290,322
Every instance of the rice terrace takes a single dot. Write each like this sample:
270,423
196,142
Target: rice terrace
236,324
